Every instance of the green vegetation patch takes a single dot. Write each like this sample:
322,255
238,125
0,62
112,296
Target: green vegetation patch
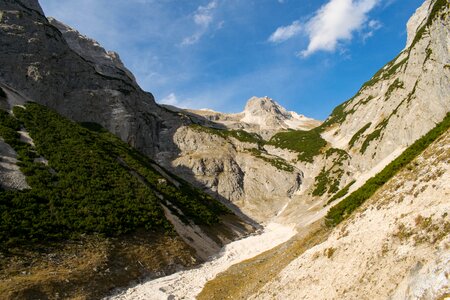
338,115
344,208
240,135
307,143
374,135
341,193
397,84
93,184
358,134
328,179
277,162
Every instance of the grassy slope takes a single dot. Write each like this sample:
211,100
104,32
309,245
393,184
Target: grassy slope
307,143
94,183
344,208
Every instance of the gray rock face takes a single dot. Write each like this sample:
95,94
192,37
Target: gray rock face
405,99
263,116
105,62
75,76
228,169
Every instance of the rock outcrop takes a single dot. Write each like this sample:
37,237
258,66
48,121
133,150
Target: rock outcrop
257,183
56,66
394,247
402,101
263,116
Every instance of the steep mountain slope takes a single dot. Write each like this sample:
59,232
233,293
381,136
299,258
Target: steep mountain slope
84,186
395,246
402,101
402,226
76,77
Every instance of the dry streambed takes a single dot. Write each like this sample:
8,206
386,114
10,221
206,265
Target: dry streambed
189,283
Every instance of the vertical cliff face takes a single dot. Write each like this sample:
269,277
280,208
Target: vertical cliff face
402,101
55,66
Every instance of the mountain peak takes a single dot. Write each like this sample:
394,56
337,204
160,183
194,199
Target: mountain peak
264,106
268,114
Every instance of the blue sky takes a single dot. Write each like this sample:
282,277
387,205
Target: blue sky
308,55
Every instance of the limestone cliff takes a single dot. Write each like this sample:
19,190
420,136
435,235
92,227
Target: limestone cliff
394,247
402,101
55,66
260,115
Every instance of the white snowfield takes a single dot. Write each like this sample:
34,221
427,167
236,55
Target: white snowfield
188,284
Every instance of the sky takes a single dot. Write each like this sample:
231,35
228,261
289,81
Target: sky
308,55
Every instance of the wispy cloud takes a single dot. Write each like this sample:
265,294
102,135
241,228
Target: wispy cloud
170,99
203,17
335,22
284,33
370,28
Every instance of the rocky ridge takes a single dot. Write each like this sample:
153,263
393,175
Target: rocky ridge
402,101
395,246
38,55
263,116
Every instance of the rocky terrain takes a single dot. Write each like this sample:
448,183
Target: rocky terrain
266,164
263,116
93,85
395,247
400,103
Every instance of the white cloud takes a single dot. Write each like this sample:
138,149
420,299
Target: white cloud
170,99
374,24
371,27
192,39
284,33
203,17
336,21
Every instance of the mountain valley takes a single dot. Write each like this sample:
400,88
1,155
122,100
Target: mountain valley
106,193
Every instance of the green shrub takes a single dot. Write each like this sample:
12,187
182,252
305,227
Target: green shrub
397,84
240,135
341,193
307,143
358,134
344,208
94,183
374,135
328,179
